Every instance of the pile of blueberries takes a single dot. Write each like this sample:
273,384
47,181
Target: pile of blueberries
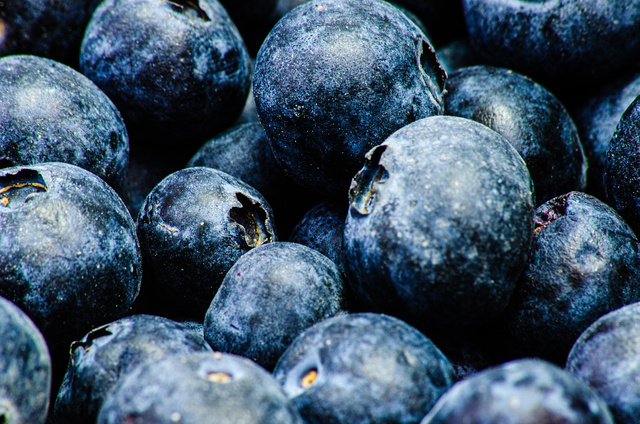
320,211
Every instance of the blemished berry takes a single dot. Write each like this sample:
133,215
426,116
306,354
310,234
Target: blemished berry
193,226
439,224
362,70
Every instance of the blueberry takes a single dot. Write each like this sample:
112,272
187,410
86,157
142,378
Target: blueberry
52,113
530,117
525,391
363,368
321,228
269,296
439,224
198,388
108,353
596,118
192,228
606,355
176,69
558,43
244,152
26,368
361,70
584,262
621,177
70,256
47,28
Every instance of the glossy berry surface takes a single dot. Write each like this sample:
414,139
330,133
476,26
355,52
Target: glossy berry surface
363,368
530,117
526,391
52,113
269,296
439,225
362,70
198,388
192,227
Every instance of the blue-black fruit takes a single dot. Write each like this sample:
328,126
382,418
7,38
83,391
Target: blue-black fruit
606,357
527,391
70,256
363,368
25,368
52,113
439,224
244,152
196,388
269,296
192,227
108,353
584,262
334,78
559,42
530,117
176,69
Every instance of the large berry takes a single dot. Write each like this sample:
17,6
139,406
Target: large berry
193,227
527,391
52,113
70,256
440,223
201,387
173,68
334,78
269,296
363,368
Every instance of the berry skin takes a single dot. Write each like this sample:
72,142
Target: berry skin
52,113
195,388
526,391
70,255
193,226
439,225
269,296
362,70
363,368
178,70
